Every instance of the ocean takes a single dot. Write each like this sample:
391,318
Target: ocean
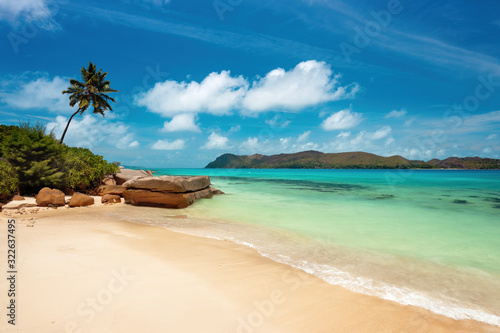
428,238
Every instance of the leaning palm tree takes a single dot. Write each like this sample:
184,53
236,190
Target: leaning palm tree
90,91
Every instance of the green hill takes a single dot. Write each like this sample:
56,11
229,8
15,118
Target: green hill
351,160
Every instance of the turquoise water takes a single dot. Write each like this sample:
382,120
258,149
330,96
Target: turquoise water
429,238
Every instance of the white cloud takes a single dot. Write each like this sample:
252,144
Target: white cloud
362,141
458,124
41,93
487,150
344,134
181,122
309,83
491,137
169,145
36,12
305,146
381,133
251,144
283,145
30,9
304,136
235,128
216,141
343,119
92,130
134,144
278,121
396,114
482,119
217,94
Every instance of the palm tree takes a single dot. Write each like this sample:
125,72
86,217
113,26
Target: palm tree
91,91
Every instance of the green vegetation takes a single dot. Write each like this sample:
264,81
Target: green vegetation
91,90
8,180
33,159
86,169
352,160
35,156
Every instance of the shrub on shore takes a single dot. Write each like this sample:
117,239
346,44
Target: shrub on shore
84,169
35,157
38,160
8,180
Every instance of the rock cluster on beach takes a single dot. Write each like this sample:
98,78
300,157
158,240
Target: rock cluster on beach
137,187
167,191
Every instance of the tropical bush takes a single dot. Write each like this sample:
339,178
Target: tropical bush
36,160
8,180
85,169
34,156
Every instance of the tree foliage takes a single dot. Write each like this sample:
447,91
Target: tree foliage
85,169
8,180
92,91
37,160
35,157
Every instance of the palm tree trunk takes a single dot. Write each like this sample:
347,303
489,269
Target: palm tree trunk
67,125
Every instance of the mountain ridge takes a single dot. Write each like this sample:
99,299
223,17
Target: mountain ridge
312,159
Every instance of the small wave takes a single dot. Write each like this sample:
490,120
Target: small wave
447,307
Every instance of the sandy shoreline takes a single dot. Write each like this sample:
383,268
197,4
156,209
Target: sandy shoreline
80,270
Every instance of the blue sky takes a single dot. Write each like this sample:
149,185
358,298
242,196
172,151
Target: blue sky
198,79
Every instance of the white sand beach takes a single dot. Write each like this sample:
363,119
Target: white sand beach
81,270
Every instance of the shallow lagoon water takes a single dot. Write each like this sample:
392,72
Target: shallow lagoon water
429,238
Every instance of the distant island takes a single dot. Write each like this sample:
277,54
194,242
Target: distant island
350,160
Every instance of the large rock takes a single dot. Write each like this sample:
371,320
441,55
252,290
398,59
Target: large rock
110,189
169,183
108,181
17,197
52,197
110,199
127,174
143,197
80,200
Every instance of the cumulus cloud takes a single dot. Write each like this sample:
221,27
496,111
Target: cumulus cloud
396,114
169,145
90,131
41,93
307,84
343,119
216,141
251,145
217,94
304,136
282,145
362,141
181,122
